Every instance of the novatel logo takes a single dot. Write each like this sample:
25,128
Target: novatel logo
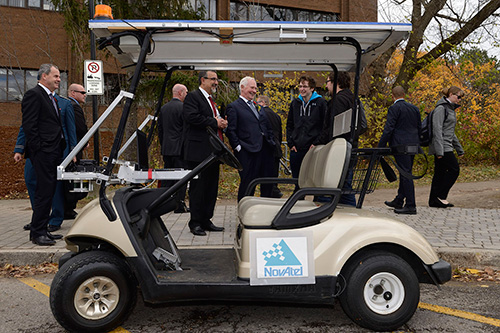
281,255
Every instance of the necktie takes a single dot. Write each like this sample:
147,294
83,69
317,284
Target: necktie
214,109
253,108
54,103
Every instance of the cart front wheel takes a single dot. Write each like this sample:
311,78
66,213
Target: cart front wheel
93,292
381,291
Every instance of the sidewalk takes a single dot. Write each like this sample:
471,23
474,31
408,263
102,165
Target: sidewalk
467,237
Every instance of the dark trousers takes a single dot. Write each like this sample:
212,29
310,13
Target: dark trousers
446,171
174,162
406,190
296,158
203,195
255,165
45,165
57,213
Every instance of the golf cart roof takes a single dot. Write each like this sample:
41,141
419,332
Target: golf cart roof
237,45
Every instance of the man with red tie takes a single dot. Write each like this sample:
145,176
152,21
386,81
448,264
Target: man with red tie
44,146
200,112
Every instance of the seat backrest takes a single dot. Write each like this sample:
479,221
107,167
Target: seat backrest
325,166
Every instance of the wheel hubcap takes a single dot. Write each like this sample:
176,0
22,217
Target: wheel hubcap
384,293
96,297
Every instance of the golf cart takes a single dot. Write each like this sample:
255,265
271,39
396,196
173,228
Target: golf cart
285,250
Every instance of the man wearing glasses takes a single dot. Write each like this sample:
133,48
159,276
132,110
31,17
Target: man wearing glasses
199,112
76,95
304,123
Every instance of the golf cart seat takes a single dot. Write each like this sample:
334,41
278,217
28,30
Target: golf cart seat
322,172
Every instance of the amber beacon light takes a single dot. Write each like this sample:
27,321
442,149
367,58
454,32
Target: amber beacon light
103,12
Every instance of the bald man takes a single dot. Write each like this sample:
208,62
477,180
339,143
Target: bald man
170,129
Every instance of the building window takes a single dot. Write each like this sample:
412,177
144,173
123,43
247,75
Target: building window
242,11
40,4
15,82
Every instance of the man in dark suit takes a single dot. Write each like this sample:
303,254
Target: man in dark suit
170,132
402,128
200,112
44,146
76,95
251,137
275,121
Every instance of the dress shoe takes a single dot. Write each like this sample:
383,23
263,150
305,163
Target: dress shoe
198,231
54,236
213,227
393,204
43,241
181,208
27,226
52,228
437,204
449,204
406,210
70,215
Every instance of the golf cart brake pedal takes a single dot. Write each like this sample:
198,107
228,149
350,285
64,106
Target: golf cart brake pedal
168,258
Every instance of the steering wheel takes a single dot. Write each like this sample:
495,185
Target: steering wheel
222,151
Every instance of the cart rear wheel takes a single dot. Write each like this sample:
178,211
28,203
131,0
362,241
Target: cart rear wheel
93,292
381,292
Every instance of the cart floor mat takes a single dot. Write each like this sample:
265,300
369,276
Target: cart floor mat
204,265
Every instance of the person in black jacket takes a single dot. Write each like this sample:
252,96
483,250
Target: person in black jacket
170,132
304,123
251,137
77,95
45,144
200,111
275,121
402,128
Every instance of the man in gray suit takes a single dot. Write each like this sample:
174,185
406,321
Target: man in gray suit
402,128
170,129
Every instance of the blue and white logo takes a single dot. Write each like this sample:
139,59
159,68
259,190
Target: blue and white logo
280,255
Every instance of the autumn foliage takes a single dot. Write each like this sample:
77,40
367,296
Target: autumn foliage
478,118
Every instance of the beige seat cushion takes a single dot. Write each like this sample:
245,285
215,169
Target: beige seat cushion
322,167
261,211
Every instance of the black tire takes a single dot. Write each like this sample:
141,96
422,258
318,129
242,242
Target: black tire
381,291
72,301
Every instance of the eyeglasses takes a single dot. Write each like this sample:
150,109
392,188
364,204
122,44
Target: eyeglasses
81,92
459,96
211,78
301,86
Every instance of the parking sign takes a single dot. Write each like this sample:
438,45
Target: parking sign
94,80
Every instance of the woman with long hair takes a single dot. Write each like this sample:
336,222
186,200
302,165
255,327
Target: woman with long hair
442,146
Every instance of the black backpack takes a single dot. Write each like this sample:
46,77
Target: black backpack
426,131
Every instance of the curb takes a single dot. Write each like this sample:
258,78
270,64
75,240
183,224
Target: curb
470,258
457,257
31,257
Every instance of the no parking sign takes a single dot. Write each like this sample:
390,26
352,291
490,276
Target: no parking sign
94,80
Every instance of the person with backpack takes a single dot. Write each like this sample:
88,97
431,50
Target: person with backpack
442,145
402,128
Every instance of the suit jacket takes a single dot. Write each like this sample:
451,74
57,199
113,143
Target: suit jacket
275,121
197,115
68,123
403,125
80,122
41,124
245,129
170,127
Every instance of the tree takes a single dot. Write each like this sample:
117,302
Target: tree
453,23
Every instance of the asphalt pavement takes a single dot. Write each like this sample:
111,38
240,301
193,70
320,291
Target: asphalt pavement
467,237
